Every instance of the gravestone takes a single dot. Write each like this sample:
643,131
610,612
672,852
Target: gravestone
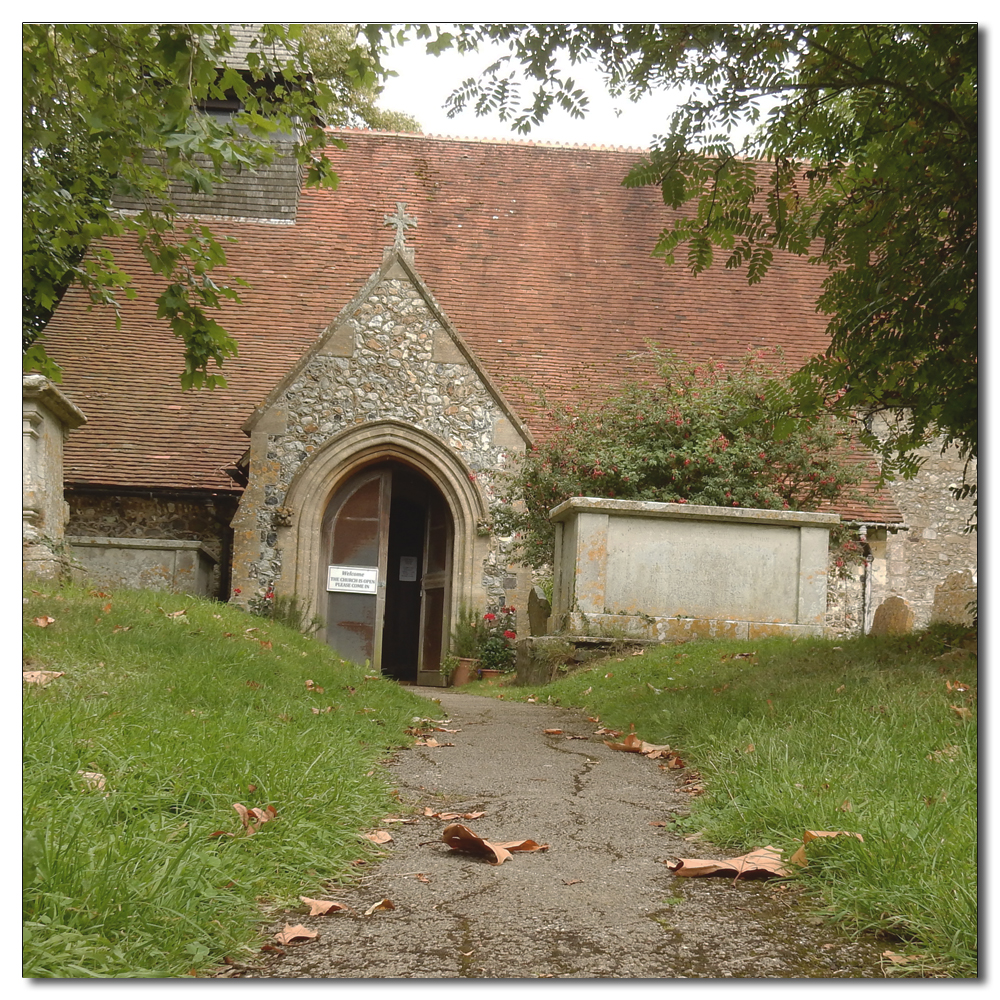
539,610
892,617
952,599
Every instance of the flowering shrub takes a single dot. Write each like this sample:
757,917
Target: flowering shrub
496,635
697,434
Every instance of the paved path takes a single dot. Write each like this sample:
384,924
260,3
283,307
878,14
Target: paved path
599,903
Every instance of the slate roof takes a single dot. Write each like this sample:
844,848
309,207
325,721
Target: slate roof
537,254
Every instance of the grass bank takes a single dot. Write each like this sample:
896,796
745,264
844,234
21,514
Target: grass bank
875,736
170,710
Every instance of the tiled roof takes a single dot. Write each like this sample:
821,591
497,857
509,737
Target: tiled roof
538,255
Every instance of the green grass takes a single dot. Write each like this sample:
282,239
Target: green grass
861,735
184,716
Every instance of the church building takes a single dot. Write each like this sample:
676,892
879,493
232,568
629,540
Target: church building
403,339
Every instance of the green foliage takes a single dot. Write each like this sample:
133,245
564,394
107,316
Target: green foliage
184,714
353,94
291,611
866,150
118,107
700,435
870,735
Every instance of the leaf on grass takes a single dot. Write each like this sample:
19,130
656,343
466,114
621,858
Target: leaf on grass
321,907
901,959
43,621
799,857
41,677
845,806
322,711
460,838
122,628
632,744
762,863
962,712
288,934
93,781
253,819
314,687
175,615
382,904
378,836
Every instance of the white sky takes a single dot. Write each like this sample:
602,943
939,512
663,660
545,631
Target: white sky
424,83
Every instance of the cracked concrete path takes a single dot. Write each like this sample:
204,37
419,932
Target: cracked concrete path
599,902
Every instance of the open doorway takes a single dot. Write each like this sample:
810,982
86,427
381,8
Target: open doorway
387,541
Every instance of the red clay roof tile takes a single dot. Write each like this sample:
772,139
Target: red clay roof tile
536,252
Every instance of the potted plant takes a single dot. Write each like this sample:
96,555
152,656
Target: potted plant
456,671
465,638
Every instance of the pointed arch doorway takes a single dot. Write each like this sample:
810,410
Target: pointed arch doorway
387,544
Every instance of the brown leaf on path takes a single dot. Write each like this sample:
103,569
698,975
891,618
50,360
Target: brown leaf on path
658,822
632,744
552,732
460,838
41,677
382,904
799,857
421,877
43,621
321,907
762,863
901,959
572,881
288,934
577,737
378,836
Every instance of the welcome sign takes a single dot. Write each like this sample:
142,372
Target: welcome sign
352,579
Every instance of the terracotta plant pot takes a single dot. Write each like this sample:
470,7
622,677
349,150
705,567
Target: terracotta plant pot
464,672
485,672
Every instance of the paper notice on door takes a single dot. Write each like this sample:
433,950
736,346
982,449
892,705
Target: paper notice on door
407,568
352,579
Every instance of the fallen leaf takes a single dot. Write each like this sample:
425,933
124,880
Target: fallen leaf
762,863
962,712
799,857
94,781
252,684
461,838
268,645
658,822
382,904
314,687
632,744
749,748
576,737
122,628
552,732
901,959
845,806
289,934
43,621
41,677
321,907
254,819
840,689
378,837
420,877
451,816
572,881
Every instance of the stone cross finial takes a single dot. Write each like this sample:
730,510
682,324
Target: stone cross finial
402,222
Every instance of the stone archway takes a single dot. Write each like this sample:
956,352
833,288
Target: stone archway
380,448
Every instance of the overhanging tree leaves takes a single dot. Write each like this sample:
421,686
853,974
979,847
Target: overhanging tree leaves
120,108
865,159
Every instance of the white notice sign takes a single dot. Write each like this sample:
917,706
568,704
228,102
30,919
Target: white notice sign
352,579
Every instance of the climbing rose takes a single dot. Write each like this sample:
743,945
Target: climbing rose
509,635
489,616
